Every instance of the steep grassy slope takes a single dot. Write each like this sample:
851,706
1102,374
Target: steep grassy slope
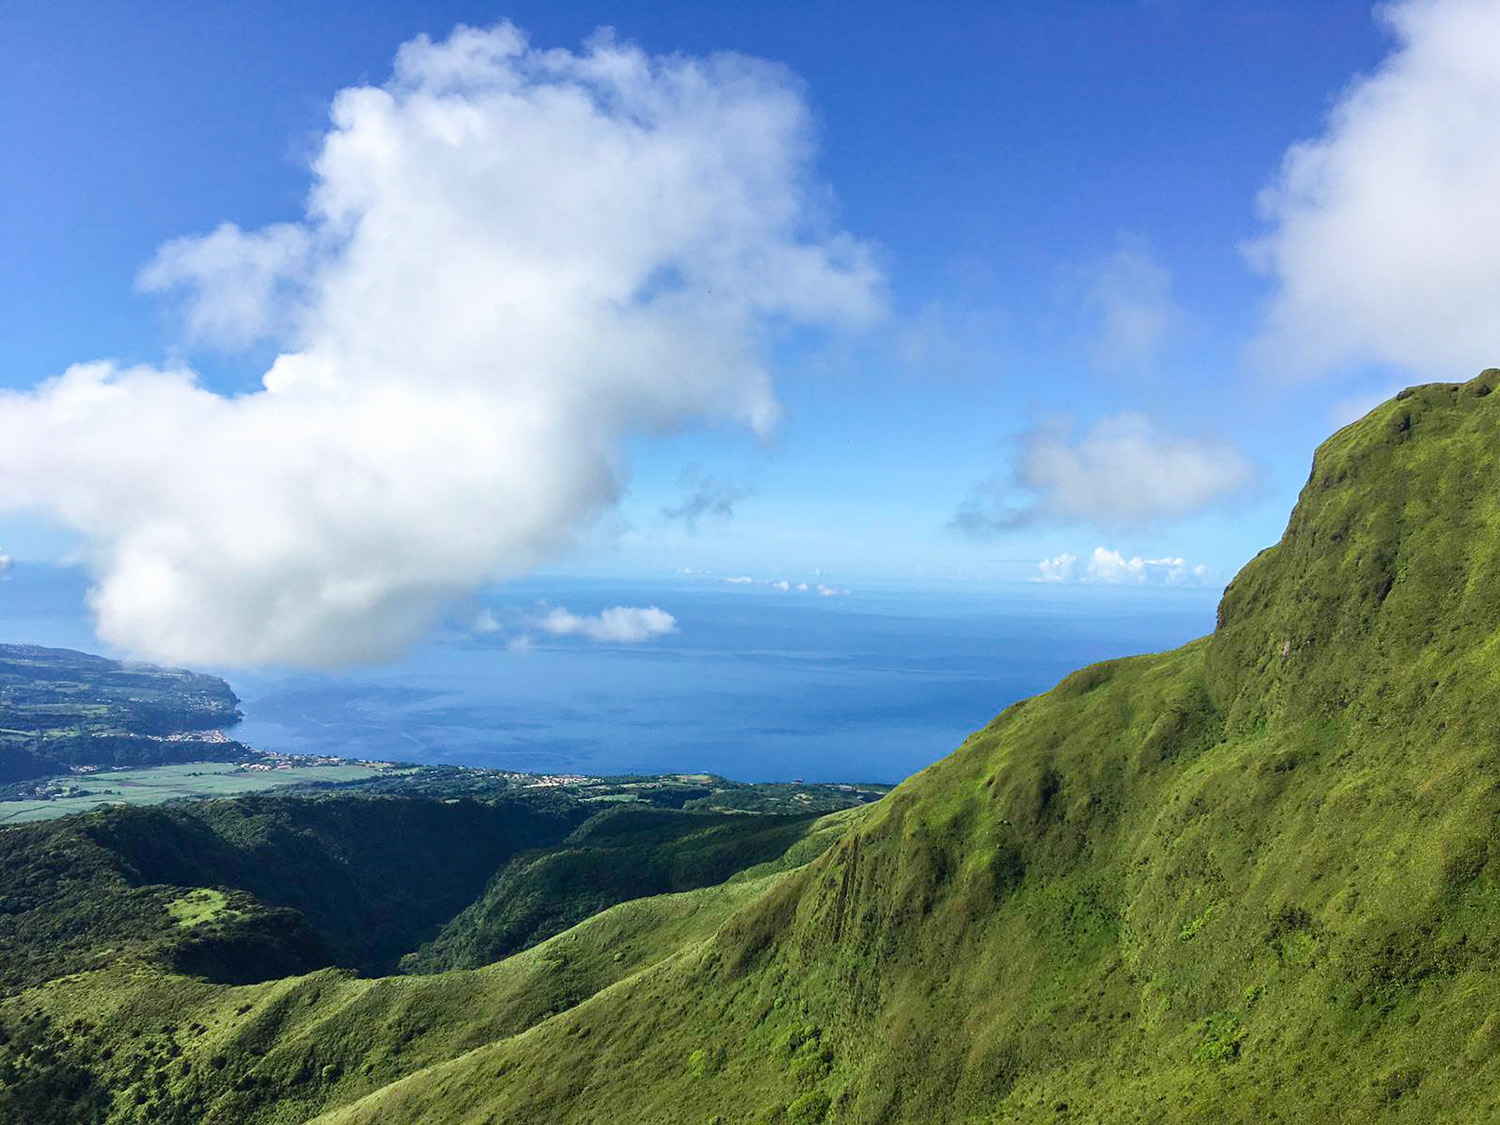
1251,880
277,1051
621,854
133,1043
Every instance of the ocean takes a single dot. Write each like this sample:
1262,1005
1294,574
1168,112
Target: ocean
757,684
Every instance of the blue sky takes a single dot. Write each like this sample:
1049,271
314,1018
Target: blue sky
1030,320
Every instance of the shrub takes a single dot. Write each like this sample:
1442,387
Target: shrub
809,1109
699,1063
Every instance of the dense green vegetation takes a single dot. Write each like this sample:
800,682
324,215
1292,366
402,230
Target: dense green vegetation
144,928
60,708
135,995
630,851
355,882
1256,879
132,1044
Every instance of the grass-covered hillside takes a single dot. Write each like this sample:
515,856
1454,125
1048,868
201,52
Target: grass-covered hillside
1256,879
60,708
154,961
134,1044
1251,880
631,851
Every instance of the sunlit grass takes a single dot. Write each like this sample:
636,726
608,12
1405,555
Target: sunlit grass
197,907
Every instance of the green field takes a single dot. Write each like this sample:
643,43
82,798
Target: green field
156,784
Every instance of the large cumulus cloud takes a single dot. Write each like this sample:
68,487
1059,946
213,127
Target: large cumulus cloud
511,260
1384,236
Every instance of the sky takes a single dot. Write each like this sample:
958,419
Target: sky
314,319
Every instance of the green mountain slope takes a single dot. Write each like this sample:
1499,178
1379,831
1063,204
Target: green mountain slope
1250,880
1256,879
135,1042
621,854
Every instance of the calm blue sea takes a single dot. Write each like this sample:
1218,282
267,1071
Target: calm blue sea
757,685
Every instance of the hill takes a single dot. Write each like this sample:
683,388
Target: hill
625,853
1250,880
1255,879
143,950
269,885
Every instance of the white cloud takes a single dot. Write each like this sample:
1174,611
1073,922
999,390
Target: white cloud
242,286
1059,568
1129,293
1385,238
786,586
512,260
485,623
1111,568
620,625
6,563
1124,471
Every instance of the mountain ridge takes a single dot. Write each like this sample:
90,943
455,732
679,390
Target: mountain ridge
1225,883
1253,879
